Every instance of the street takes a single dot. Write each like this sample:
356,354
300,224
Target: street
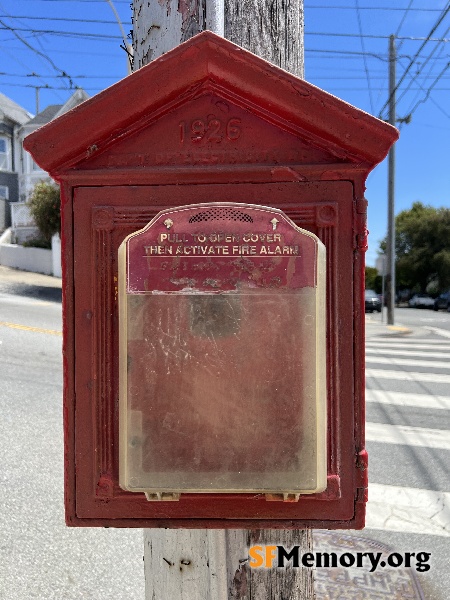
40,557
408,376
407,433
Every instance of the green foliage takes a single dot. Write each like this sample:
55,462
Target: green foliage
37,243
423,248
45,207
371,275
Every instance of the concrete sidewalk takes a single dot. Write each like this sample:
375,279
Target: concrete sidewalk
375,327
25,283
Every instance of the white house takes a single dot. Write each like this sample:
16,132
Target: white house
29,172
12,116
18,176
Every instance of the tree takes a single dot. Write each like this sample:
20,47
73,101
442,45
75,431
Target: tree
373,280
45,208
423,248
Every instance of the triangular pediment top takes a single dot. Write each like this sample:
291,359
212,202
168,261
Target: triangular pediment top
325,121
210,129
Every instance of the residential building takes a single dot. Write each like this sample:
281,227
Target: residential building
12,117
29,172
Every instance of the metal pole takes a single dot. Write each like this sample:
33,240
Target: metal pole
391,189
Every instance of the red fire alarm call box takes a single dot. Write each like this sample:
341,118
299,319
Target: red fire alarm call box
222,355
213,239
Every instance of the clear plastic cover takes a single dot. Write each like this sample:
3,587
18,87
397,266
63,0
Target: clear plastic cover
223,391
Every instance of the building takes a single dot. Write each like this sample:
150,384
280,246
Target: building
18,171
29,172
12,117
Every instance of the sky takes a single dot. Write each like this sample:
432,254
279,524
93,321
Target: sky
56,45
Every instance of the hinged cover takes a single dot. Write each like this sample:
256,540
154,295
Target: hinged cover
222,354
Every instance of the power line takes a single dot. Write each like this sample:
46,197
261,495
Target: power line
38,52
376,37
408,8
115,37
78,1
366,68
65,19
76,34
439,21
99,88
427,95
422,67
403,18
384,8
59,76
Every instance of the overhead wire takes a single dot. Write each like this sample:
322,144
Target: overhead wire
420,69
366,68
8,15
412,61
427,76
64,19
36,51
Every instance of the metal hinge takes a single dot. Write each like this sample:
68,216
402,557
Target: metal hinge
162,496
284,497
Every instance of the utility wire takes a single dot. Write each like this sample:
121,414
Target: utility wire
384,8
438,57
375,37
36,51
427,95
62,33
403,20
366,68
33,74
115,37
419,71
65,19
402,78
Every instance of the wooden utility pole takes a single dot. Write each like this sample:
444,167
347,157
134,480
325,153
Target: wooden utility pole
213,564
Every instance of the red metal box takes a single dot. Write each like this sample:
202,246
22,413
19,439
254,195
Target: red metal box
207,122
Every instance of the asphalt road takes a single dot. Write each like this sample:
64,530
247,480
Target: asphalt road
423,317
39,556
408,372
408,439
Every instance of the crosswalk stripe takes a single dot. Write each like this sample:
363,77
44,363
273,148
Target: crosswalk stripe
394,508
412,400
407,376
410,345
439,331
408,362
406,351
412,510
410,436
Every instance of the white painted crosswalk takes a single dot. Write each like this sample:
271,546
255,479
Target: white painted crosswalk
407,508
411,436
412,400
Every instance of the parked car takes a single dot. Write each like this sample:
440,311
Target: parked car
442,301
372,301
421,301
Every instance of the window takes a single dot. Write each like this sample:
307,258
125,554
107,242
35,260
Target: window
5,153
4,192
35,166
